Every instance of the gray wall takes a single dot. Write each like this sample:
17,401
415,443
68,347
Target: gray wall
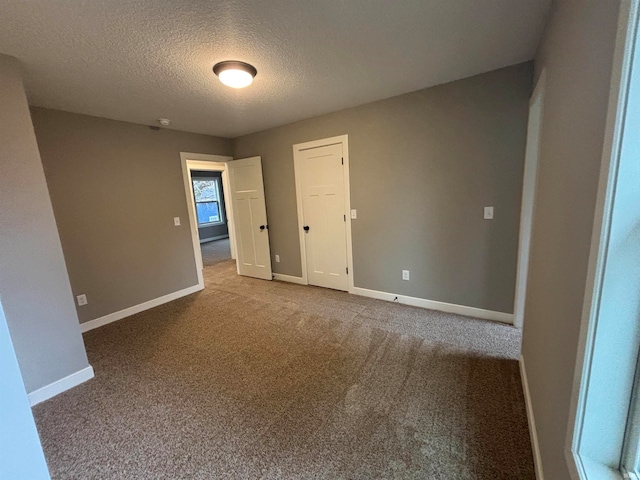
423,166
213,230
577,53
34,285
21,454
115,188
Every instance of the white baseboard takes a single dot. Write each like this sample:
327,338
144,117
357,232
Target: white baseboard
433,305
112,317
211,239
59,386
416,302
289,278
533,432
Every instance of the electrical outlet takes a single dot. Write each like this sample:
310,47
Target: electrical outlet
488,213
354,214
405,274
176,221
278,258
82,300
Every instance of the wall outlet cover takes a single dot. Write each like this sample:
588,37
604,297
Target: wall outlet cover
488,213
82,300
405,274
176,221
278,258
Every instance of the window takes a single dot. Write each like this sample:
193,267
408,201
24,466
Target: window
604,427
206,192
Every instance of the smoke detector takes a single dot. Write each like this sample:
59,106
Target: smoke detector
164,122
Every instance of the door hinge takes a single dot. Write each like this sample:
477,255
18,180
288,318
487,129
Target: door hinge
347,270
342,160
345,218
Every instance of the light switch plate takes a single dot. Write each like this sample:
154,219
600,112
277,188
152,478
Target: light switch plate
354,214
488,213
405,274
176,221
278,258
82,300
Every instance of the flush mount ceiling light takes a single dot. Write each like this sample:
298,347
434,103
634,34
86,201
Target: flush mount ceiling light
235,74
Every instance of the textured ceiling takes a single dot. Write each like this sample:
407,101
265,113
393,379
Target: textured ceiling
139,60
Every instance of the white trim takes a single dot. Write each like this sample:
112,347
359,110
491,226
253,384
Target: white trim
119,315
533,431
214,163
59,386
303,248
529,188
213,239
347,207
204,157
620,84
289,278
226,194
297,148
435,305
323,142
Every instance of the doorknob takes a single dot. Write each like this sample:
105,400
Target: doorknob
306,228
262,227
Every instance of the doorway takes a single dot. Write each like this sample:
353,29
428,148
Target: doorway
529,184
217,188
211,216
211,220
324,212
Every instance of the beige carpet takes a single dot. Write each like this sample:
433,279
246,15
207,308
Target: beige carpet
215,252
251,379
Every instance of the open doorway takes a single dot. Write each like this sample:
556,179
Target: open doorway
206,182
211,216
240,200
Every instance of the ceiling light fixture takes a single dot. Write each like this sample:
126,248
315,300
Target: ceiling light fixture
235,74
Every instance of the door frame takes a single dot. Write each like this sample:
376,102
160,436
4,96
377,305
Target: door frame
212,163
298,148
528,205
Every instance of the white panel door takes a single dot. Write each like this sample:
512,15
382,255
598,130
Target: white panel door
250,218
321,177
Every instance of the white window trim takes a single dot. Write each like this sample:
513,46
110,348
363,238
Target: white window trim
581,466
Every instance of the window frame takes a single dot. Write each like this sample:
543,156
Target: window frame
591,451
217,182
630,462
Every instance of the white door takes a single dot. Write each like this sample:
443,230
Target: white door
250,218
320,176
